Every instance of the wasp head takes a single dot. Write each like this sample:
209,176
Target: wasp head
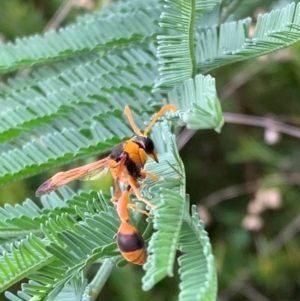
146,144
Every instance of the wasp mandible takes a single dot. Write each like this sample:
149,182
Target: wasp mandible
126,163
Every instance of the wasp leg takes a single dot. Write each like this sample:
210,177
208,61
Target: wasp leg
134,186
117,193
136,208
114,200
145,173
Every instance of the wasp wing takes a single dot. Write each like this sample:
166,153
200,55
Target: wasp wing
92,171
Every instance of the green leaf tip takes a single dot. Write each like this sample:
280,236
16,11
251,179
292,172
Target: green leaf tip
206,112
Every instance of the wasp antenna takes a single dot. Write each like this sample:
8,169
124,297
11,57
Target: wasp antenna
136,130
168,107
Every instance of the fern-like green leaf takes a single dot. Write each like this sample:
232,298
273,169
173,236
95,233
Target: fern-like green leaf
21,220
73,291
120,7
22,260
197,270
17,161
168,215
128,28
74,108
84,86
42,284
172,233
72,134
70,243
216,47
201,95
176,51
206,6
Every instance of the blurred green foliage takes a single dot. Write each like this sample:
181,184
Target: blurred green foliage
13,13
261,264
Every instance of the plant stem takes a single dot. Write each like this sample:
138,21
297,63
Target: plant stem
101,277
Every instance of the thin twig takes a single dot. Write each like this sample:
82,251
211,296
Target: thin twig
252,293
265,122
249,70
228,193
60,15
286,234
230,9
100,278
234,286
184,137
249,187
240,285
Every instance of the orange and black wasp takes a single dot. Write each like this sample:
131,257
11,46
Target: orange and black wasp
126,163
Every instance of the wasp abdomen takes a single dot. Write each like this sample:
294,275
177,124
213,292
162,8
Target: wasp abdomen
131,243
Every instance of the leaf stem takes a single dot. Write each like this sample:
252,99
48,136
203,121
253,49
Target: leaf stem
191,38
101,277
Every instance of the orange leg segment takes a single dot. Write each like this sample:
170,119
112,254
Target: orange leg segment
134,186
145,173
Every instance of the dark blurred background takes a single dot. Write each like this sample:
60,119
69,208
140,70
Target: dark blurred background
245,180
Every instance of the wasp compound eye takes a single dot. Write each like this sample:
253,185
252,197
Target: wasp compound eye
145,142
